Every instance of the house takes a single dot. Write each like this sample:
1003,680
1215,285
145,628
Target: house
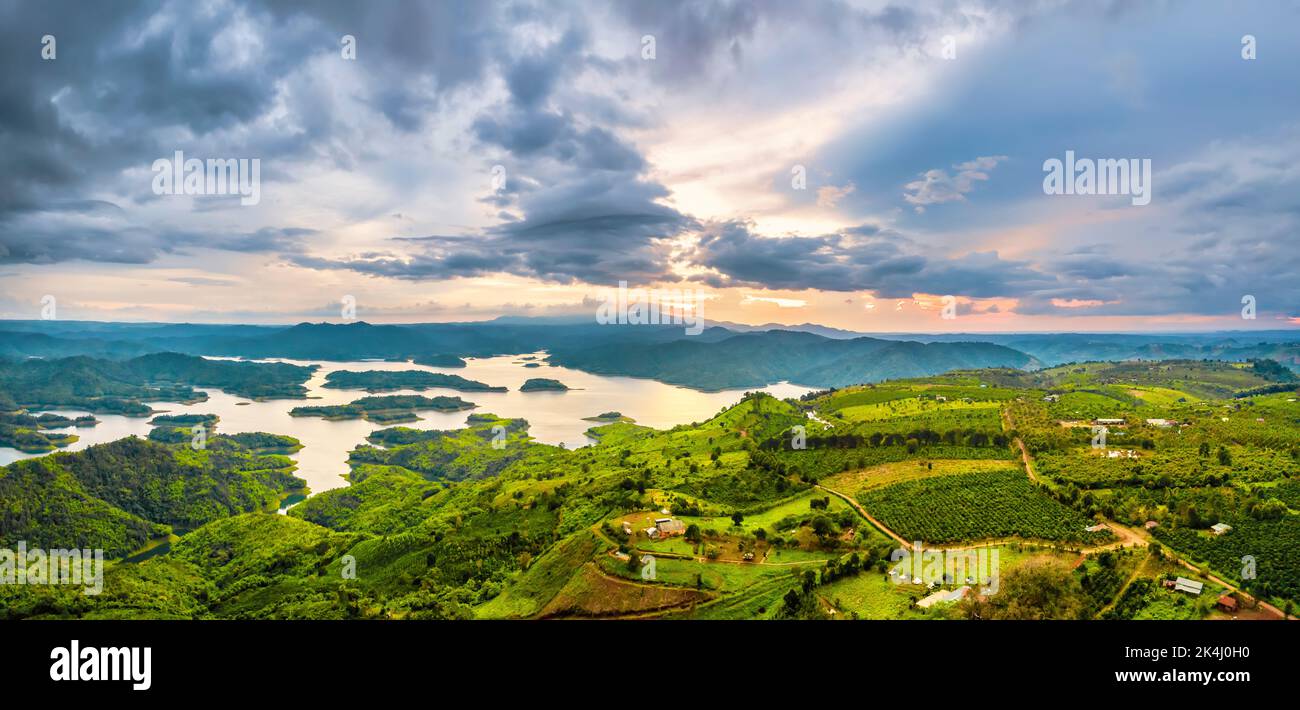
944,596
1108,422
940,398
1121,454
1190,586
1227,603
1150,524
1096,528
651,533
668,527
623,556
1162,423
627,527
1051,397
1220,528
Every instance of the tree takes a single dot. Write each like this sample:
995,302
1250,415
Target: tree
692,533
1225,458
1032,591
737,518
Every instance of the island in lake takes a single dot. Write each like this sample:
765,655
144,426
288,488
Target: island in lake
385,380
58,421
386,409
24,432
542,384
179,428
184,420
439,361
607,417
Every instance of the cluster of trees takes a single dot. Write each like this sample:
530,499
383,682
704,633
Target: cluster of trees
121,386
913,439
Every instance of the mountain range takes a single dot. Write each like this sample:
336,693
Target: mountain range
723,356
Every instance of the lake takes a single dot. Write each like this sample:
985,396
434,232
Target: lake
553,417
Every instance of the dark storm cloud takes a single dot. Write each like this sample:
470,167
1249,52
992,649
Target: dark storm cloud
46,237
132,81
863,259
694,38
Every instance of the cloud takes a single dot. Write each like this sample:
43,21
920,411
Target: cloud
778,302
829,195
561,99
937,186
866,258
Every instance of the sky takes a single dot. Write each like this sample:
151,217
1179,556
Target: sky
856,164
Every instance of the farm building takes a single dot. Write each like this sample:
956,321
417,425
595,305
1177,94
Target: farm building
1227,603
627,528
1162,423
1190,586
667,527
1109,422
1051,397
1096,528
1220,528
943,596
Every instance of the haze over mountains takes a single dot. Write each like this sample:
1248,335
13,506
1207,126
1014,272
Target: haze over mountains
720,357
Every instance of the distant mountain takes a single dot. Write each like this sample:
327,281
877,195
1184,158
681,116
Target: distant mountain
810,353
757,359
823,330
1056,348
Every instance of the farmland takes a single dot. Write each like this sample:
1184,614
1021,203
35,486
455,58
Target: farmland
977,506
775,509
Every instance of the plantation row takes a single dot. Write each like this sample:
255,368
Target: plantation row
976,506
816,464
1272,544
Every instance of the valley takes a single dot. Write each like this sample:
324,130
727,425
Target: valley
771,505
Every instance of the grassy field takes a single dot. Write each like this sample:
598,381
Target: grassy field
886,474
443,525
908,407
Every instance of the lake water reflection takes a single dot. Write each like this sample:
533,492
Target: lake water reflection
553,417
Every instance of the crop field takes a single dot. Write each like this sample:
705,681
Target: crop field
976,506
448,526
886,474
909,407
